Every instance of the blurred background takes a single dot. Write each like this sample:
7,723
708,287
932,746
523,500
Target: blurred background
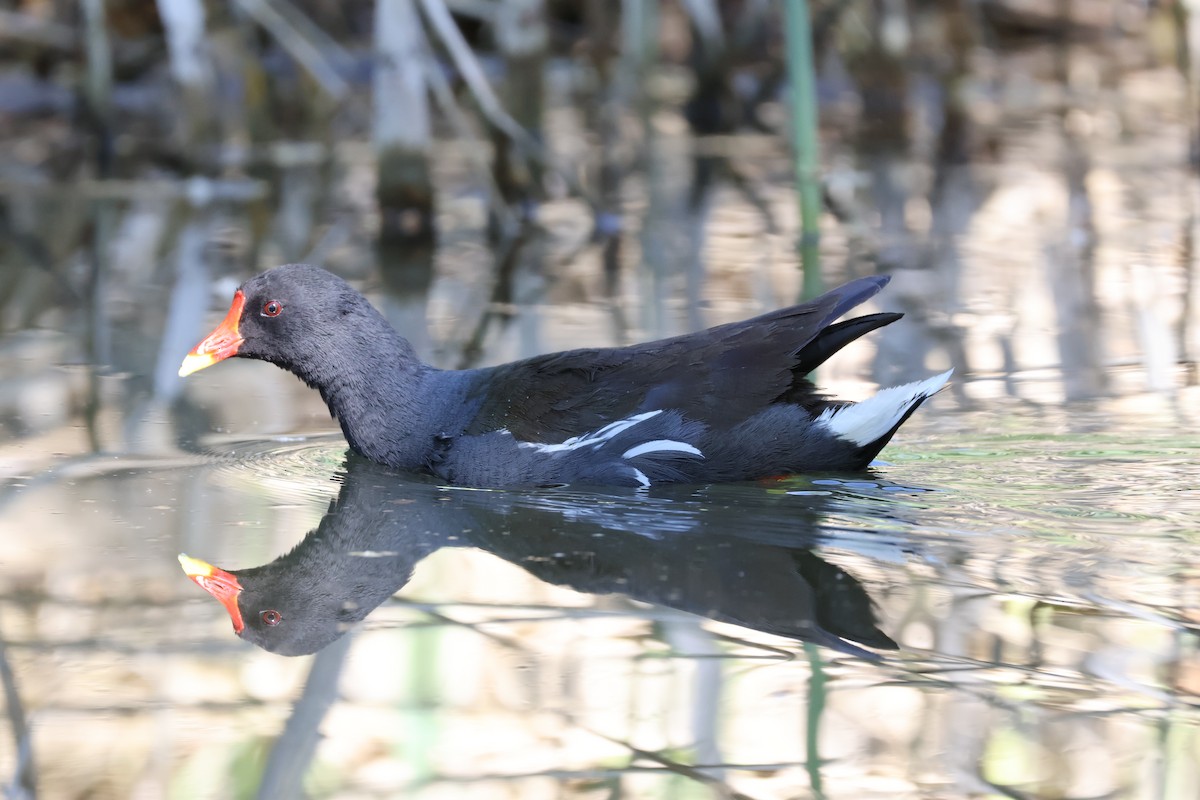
509,177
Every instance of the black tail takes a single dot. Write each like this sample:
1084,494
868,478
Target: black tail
835,337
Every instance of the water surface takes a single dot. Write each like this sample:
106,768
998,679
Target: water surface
1039,587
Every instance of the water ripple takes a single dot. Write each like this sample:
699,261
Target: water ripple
295,468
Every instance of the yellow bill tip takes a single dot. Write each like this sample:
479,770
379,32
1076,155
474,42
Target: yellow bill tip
194,566
194,362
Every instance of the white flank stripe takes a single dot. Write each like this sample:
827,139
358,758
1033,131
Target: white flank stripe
866,421
642,479
661,446
613,428
594,438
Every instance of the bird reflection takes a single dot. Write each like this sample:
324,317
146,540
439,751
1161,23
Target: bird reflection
753,567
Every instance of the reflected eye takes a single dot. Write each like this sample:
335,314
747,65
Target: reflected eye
272,308
271,617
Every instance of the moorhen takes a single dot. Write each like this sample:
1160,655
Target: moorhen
725,404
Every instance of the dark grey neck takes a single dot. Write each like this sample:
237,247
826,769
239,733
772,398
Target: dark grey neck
382,397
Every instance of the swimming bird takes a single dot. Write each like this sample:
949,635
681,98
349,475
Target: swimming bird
733,402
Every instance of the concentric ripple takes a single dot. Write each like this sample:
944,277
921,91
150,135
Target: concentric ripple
297,468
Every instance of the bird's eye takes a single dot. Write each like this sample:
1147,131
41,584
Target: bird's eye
272,308
271,617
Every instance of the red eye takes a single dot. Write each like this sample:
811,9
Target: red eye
272,308
271,617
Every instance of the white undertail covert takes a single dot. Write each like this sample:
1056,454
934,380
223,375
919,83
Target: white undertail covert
866,421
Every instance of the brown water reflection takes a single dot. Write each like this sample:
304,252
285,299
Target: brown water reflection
1031,544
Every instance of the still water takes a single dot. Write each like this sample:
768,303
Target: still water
1004,606
1040,586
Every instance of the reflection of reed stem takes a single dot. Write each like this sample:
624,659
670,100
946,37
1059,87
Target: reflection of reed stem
1187,25
442,25
812,725
292,754
318,52
23,784
423,698
801,74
